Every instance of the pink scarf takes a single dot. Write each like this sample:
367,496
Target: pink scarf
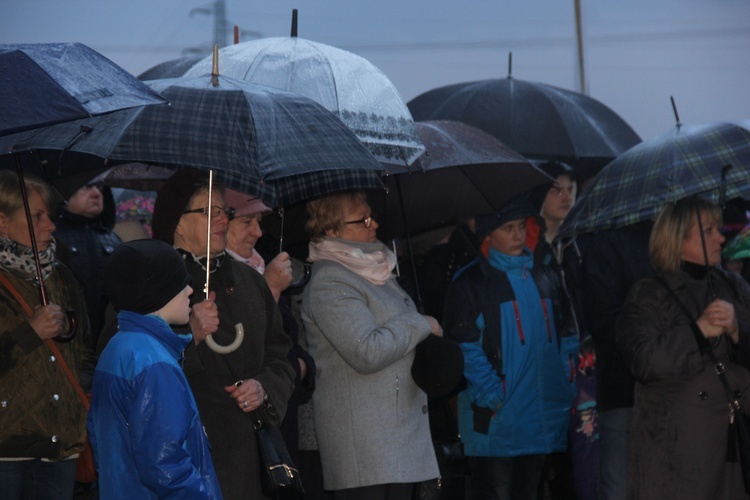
371,261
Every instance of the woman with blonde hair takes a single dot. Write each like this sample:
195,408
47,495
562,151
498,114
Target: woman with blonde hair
370,416
672,330
42,419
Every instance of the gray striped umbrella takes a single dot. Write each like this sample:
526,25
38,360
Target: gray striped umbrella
276,145
688,160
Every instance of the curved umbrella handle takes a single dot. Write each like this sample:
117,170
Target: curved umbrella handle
72,325
297,286
221,349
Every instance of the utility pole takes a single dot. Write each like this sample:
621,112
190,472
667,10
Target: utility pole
221,28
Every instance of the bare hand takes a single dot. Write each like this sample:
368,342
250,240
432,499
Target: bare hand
720,316
247,394
47,321
434,325
204,318
278,274
302,368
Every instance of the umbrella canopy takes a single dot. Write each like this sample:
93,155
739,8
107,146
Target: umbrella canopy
49,83
278,146
174,68
343,82
463,172
537,120
688,160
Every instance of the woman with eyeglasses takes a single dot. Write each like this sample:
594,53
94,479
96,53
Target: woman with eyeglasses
370,417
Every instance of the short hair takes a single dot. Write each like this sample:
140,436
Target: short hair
11,199
672,227
328,212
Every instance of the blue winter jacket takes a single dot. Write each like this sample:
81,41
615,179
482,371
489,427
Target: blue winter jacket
519,372
147,437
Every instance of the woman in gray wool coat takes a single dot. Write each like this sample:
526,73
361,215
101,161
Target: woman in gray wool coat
678,438
370,417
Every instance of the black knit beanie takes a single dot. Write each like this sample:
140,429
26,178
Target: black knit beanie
172,199
519,208
142,276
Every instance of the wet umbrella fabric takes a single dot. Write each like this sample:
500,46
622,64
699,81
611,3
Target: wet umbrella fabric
688,160
278,146
537,120
174,68
343,82
464,172
49,83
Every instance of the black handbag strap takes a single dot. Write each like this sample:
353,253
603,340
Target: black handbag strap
734,402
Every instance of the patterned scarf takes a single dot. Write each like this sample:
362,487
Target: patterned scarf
18,259
371,261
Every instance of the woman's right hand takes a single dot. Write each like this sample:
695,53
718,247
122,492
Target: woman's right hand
47,321
718,318
434,325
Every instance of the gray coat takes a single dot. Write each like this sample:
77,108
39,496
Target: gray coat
370,417
678,437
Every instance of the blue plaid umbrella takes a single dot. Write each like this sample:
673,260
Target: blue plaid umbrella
688,160
46,83
278,146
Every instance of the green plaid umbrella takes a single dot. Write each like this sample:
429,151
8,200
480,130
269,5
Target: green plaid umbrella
688,160
276,145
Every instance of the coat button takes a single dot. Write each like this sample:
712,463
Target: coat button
230,290
424,409
703,395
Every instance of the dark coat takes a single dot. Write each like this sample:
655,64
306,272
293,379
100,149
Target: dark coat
678,436
242,296
613,262
87,244
31,415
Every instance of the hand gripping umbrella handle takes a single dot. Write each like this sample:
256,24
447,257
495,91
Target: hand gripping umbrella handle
221,349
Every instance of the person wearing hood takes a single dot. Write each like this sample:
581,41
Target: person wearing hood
505,313
145,430
84,226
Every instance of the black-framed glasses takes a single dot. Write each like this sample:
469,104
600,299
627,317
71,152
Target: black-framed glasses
215,211
367,221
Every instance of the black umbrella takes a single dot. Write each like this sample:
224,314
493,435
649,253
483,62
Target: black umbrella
537,120
50,83
173,68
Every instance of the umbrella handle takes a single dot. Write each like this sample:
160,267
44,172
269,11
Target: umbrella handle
72,325
226,349
297,286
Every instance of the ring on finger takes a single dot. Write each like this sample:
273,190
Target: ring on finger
245,404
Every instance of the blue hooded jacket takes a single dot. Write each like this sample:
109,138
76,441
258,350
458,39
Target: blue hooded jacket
145,431
518,369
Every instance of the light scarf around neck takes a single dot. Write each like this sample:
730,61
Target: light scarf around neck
255,261
18,259
371,261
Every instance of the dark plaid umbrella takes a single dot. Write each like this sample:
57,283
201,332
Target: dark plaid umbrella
537,120
278,146
48,83
344,83
688,160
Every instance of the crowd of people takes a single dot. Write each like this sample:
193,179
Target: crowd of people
589,362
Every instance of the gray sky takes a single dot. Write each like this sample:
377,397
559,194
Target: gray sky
638,52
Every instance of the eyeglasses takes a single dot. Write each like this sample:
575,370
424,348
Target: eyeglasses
215,211
367,221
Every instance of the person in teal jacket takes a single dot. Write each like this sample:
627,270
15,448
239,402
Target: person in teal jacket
505,314
144,427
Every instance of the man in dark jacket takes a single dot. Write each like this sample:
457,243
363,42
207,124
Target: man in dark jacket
85,229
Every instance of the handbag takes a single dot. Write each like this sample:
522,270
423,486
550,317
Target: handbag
738,432
85,466
279,477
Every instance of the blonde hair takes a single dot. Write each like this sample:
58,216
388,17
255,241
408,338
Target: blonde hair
11,199
672,227
328,212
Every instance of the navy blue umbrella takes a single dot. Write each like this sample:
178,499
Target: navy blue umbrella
49,83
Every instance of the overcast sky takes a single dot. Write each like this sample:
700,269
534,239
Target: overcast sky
638,53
